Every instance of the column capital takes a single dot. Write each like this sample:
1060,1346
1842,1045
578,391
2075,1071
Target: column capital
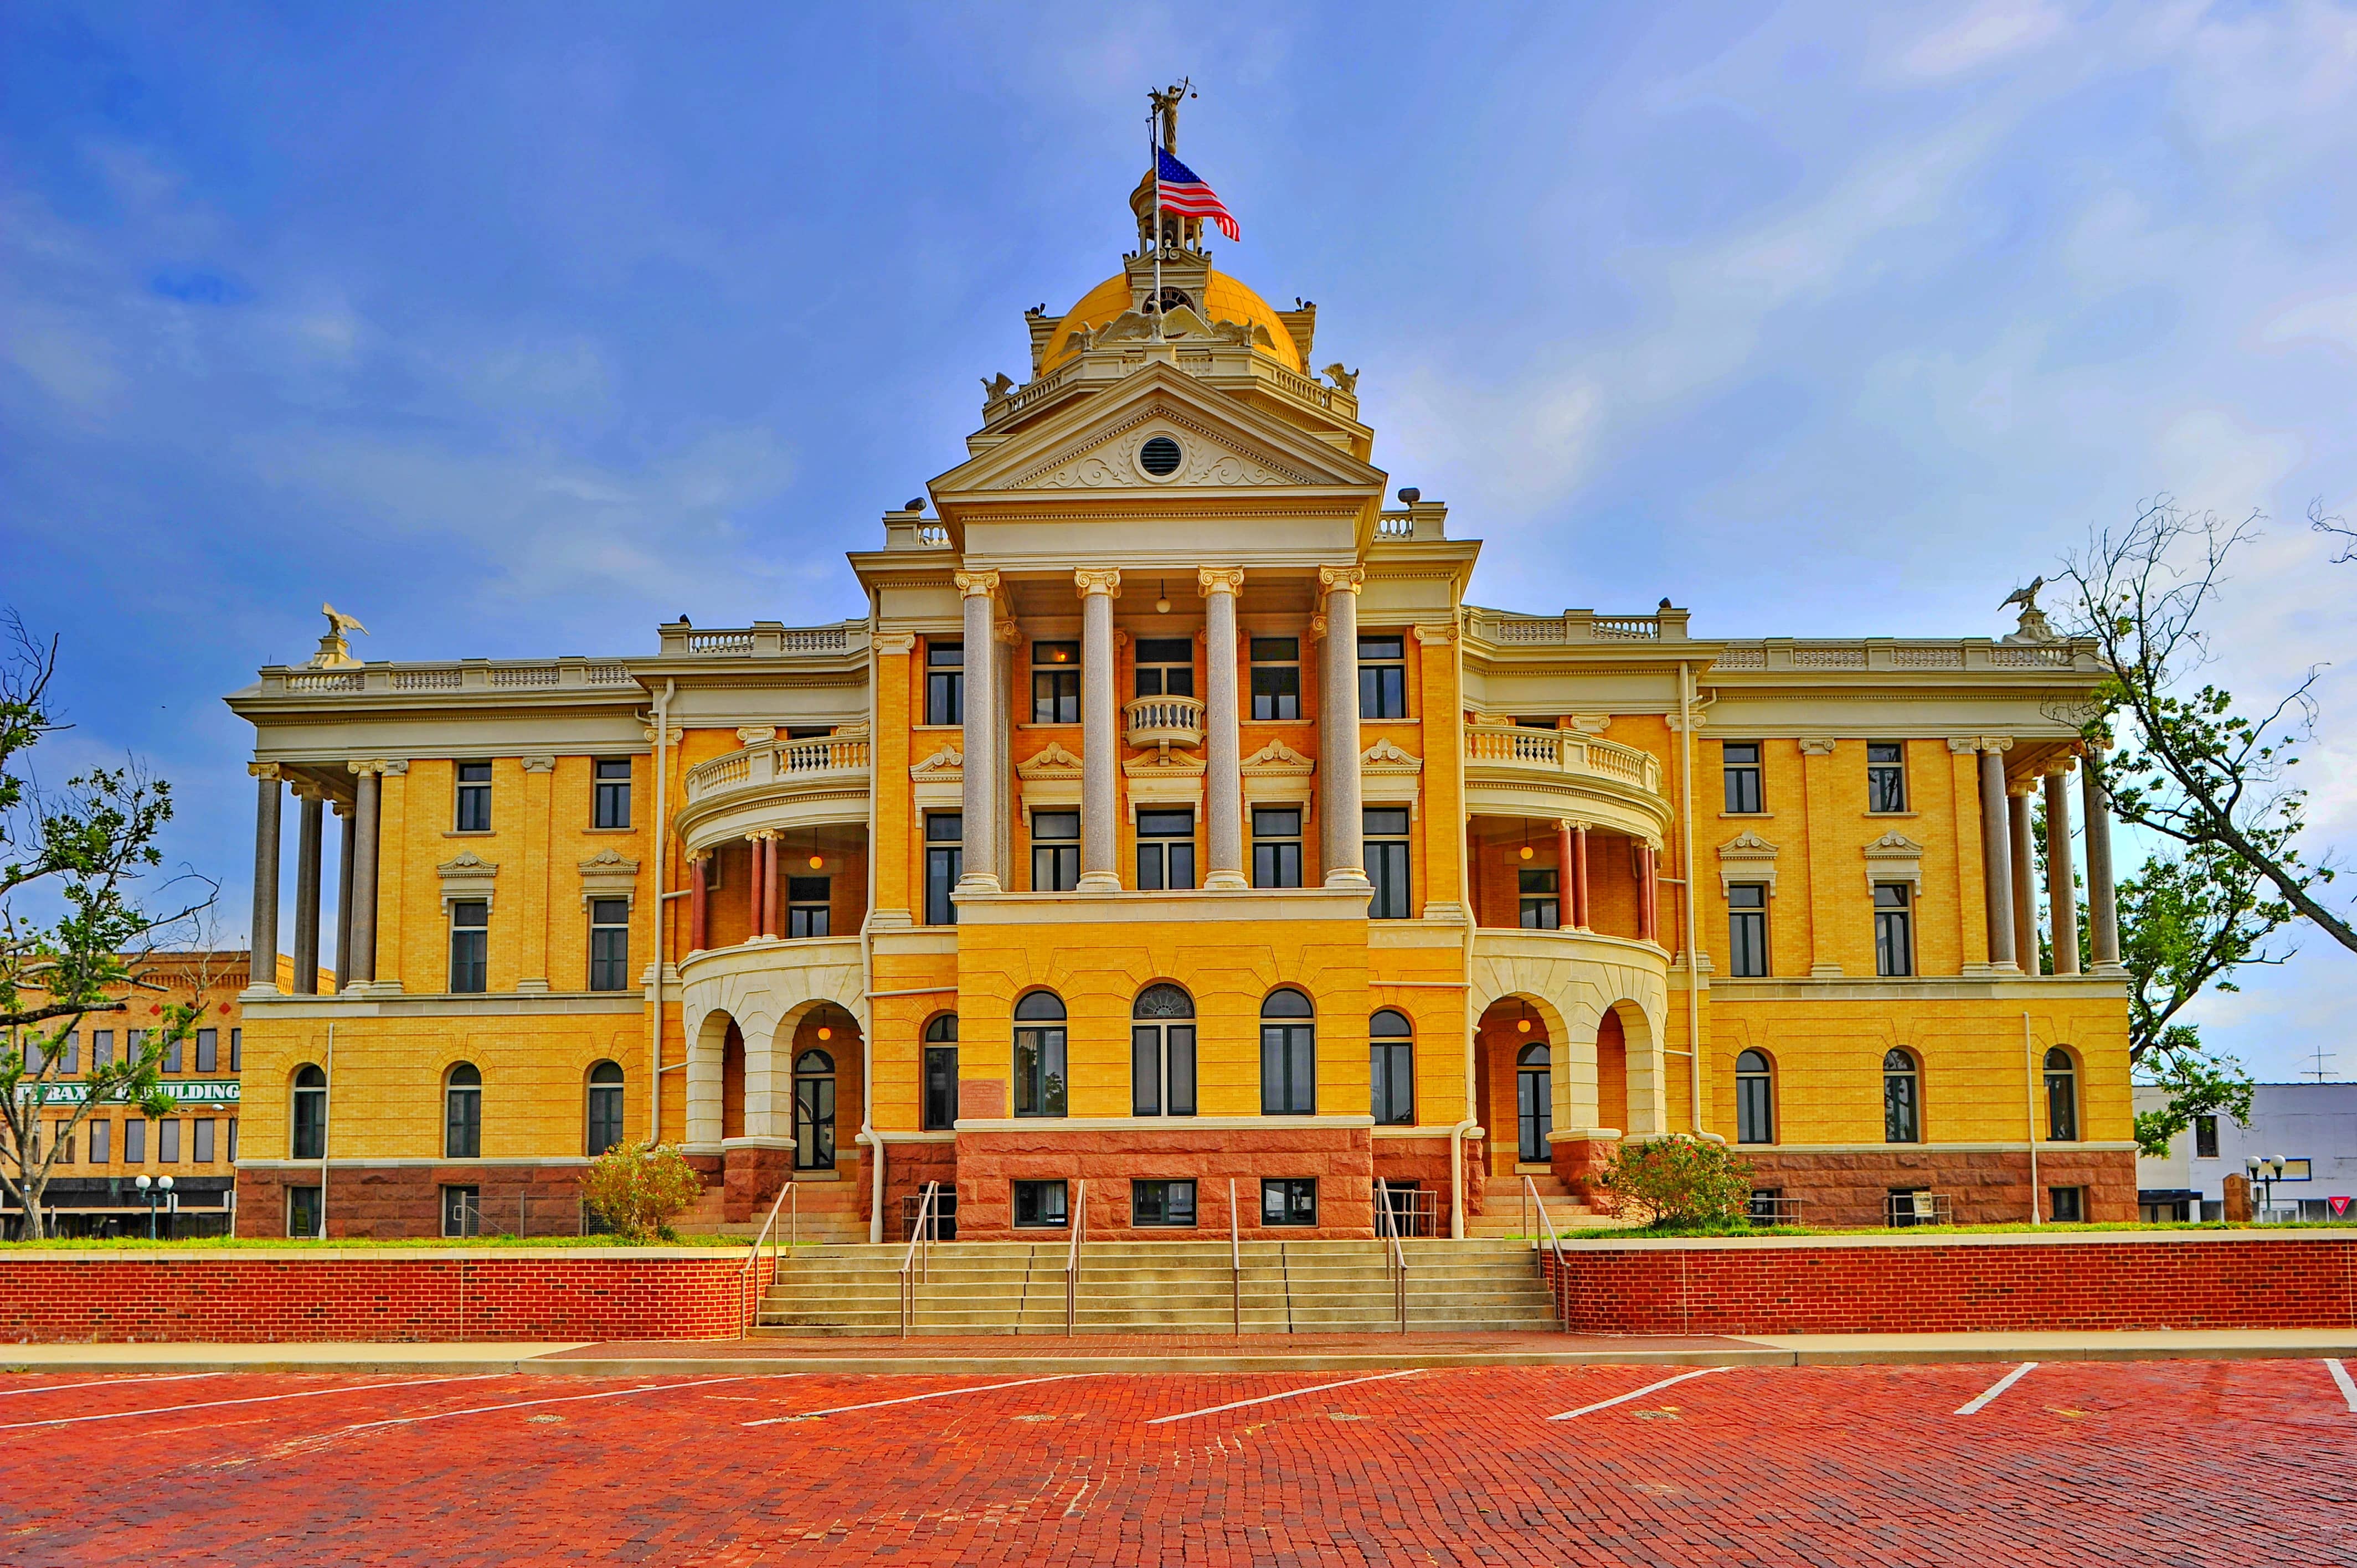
1436,631
1091,580
1219,579
2060,767
372,766
1994,743
1342,579
1964,745
1005,630
890,642
975,584
760,835
265,770
306,791
543,763
1816,746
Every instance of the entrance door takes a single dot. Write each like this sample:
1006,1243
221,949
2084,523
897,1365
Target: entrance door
1533,1104
814,1112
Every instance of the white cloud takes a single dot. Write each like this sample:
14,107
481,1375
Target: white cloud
1989,31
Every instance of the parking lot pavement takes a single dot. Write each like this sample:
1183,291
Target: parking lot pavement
2109,1462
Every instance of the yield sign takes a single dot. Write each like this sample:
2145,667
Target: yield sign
2340,1206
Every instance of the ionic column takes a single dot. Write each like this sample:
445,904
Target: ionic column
1224,780
1997,863
1646,926
753,886
699,898
2103,907
367,802
1579,874
769,884
1345,825
346,837
2022,847
307,828
2061,897
1098,590
1567,909
979,789
262,962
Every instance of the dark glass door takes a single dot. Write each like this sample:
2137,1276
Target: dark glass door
1535,1101
814,1112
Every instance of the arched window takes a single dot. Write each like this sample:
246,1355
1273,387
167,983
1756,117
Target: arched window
462,1113
1162,1053
1288,1055
2061,1096
605,1107
1391,1068
1534,1103
814,1112
1039,1083
941,1073
310,1113
1755,1100
1902,1099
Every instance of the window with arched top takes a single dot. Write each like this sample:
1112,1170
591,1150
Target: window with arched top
2061,1096
815,1110
462,1113
310,1140
1533,1103
941,1073
1754,1099
1391,1068
1162,1053
1288,1055
1039,1081
1902,1099
605,1107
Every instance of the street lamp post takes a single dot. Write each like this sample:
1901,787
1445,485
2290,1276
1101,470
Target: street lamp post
2265,1170
158,1194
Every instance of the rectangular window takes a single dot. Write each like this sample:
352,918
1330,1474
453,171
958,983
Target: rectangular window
1289,1200
63,1138
208,1050
1289,1068
1040,1081
808,899
474,814
1039,1206
100,1138
135,1140
944,683
470,944
168,1140
2205,1137
1886,776
72,1052
1392,1083
1385,830
1055,683
1741,760
1166,850
1162,1203
134,1046
101,1047
2068,1203
945,863
1383,677
172,1054
1276,677
462,1211
1166,667
1541,901
203,1151
303,1217
237,1050
1161,1058
1894,929
940,1087
1055,851
612,806
231,1154
1277,846
1746,929
609,944
1755,1105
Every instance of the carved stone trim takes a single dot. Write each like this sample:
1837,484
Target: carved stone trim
540,764
1277,774
1219,579
607,874
1342,579
1746,857
1434,631
467,876
1816,746
974,584
1894,857
1391,776
1051,777
1089,580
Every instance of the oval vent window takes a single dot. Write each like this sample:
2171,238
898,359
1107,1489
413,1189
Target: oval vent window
1159,457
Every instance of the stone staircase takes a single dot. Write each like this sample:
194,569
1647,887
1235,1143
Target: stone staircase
1502,1212
823,1211
1160,1287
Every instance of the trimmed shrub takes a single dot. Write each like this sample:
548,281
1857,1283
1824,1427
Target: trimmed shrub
1679,1182
639,1188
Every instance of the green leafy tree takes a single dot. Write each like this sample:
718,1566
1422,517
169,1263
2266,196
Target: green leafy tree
1678,1183
84,917
2186,924
639,1188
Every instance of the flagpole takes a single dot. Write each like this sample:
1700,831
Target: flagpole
1154,156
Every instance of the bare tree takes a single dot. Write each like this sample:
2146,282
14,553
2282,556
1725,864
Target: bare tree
84,917
2323,523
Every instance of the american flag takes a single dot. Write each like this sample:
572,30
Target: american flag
1184,192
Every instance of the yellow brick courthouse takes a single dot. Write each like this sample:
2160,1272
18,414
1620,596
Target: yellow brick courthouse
1172,824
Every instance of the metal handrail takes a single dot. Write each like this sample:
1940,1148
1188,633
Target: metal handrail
1554,1244
1396,1261
1235,1256
744,1280
916,1240
1073,1258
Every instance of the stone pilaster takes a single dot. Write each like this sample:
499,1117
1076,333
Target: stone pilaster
1222,736
978,792
1345,834
1099,739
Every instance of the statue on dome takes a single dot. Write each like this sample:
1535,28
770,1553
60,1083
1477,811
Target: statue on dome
1166,108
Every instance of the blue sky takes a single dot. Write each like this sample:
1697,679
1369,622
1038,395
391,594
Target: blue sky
515,329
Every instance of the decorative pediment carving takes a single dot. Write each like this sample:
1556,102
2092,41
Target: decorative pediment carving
608,875
1746,857
1389,776
1163,778
1276,773
1051,761
940,780
947,762
1894,857
467,876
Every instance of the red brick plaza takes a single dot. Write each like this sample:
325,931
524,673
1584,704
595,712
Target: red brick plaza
2214,1463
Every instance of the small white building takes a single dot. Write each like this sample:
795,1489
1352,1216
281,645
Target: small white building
2311,1127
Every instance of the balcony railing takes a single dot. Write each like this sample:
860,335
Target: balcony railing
1562,751
818,759
1163,720
1575,626
762,639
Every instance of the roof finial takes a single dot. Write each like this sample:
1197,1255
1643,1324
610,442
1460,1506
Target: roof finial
1165,105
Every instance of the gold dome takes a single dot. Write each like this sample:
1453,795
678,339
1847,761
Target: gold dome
1224,299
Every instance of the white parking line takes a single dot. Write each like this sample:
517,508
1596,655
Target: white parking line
1637,1393
1972,1406
911,1398
556,1399
2340,1376
252,1398
1290,1393
110,1383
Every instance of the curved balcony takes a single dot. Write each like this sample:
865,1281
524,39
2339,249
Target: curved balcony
1164,722
1512,771
776,784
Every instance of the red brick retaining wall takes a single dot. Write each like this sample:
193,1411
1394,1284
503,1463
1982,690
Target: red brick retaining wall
86,1298
2295,1279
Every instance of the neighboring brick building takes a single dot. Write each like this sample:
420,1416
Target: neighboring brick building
1171,820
